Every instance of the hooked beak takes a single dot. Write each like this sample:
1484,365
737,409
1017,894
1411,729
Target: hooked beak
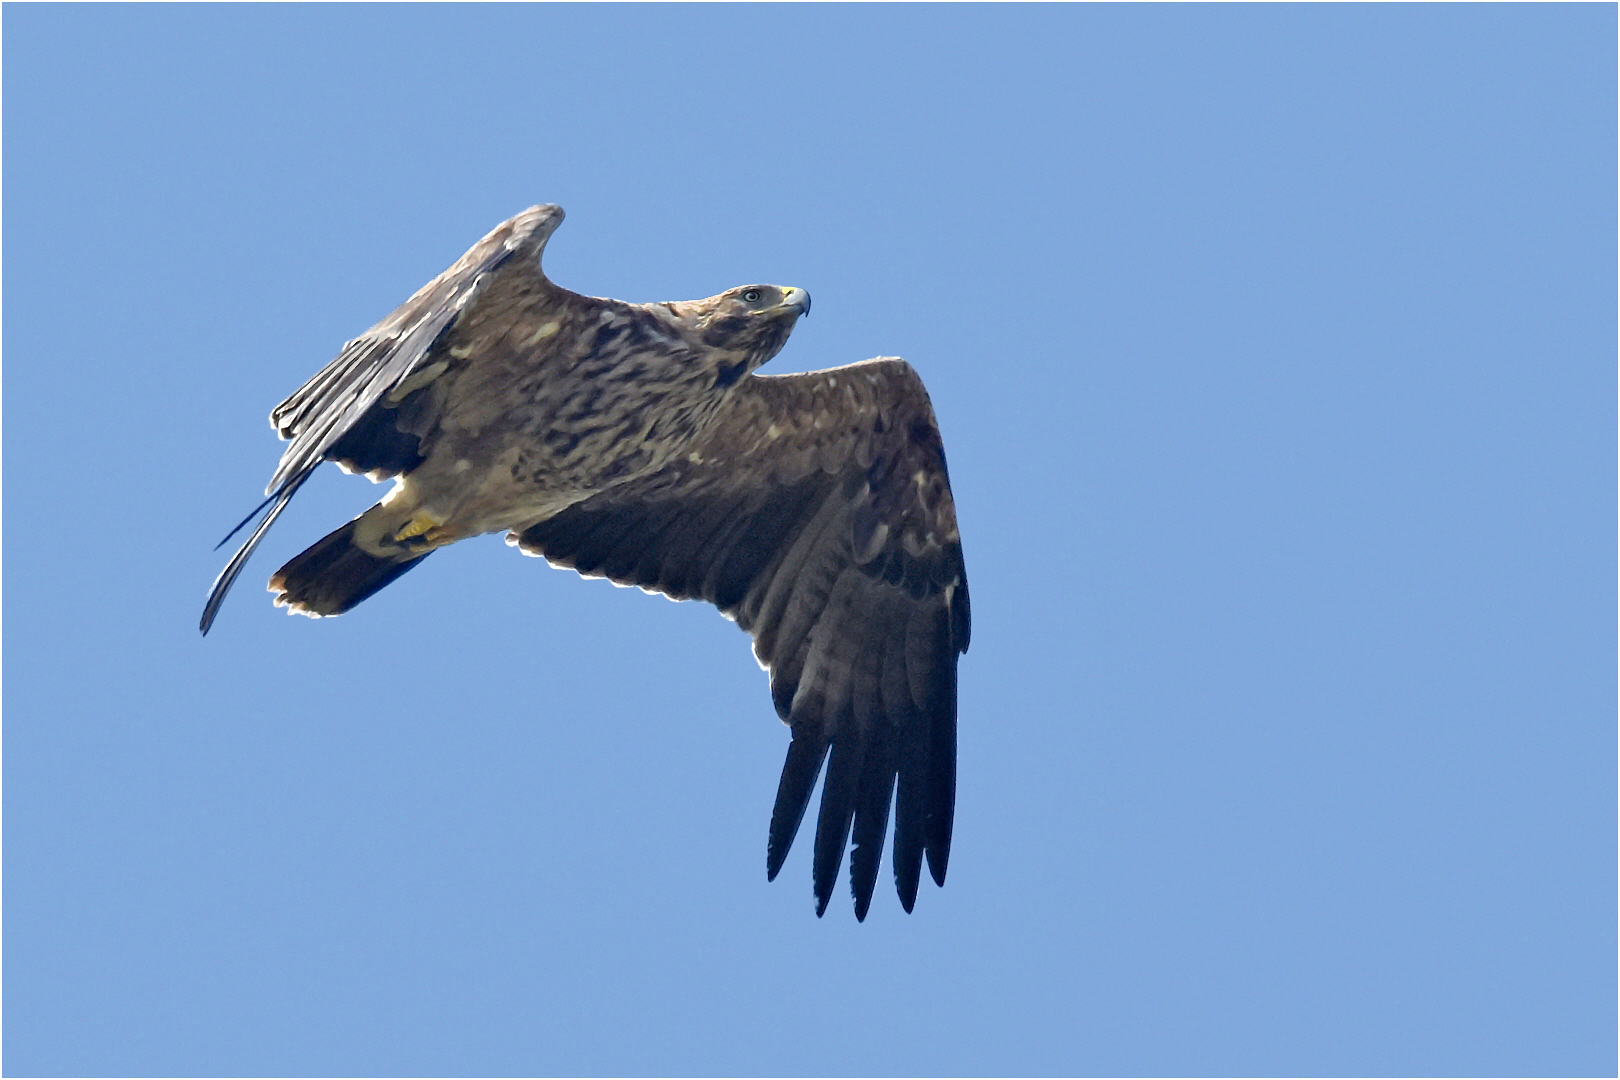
797,299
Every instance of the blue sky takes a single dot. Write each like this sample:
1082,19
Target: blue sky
1274,351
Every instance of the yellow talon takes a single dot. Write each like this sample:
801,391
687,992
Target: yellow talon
420,524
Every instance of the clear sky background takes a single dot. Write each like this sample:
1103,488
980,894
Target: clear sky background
1274,350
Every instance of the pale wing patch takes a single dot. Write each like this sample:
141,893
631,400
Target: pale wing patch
417,380
545,330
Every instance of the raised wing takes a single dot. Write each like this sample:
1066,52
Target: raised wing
817,513
384,357
379,367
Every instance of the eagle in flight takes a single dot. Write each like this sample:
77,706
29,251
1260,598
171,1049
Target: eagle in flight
635,442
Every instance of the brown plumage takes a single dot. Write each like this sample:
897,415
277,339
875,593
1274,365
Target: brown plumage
634,442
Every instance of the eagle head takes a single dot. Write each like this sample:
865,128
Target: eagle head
744,327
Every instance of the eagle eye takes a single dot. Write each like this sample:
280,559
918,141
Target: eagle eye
751,296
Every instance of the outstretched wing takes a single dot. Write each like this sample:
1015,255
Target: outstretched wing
335,415
817,513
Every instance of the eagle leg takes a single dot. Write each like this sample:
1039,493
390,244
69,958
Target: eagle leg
424,532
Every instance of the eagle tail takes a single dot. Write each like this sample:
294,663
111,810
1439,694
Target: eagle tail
335,573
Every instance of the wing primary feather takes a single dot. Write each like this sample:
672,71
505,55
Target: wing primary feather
837,809
961,610
255,512
871,821
227,577
942,776
931,668
912,767
804,757
876,788
908,819
825,700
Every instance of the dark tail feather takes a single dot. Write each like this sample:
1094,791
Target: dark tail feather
334,574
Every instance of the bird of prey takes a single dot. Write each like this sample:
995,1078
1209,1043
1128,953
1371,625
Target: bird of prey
634,442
